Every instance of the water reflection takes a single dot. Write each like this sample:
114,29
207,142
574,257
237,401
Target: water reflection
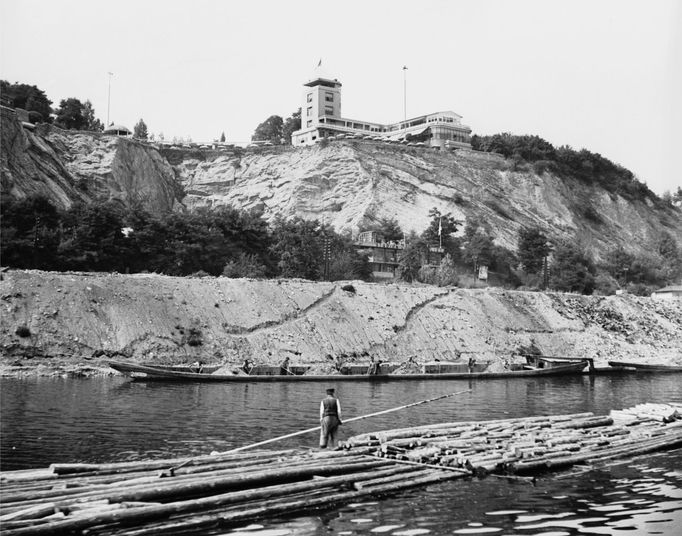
110,419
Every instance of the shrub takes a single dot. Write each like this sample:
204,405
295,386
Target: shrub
194,337
640,289
245,266
23,331
349,288
605,285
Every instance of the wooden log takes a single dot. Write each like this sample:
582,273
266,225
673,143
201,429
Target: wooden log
284,507
104,492
29,512
190,506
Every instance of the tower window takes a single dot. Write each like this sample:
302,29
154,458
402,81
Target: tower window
308,123
310,97
328,110
329,97
309,111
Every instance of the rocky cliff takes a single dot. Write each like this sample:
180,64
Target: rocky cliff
341,184
72,166
51,318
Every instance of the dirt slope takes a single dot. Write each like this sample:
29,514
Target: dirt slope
75,317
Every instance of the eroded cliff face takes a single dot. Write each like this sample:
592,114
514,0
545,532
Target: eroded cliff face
70,166
346,182
71,317
341,184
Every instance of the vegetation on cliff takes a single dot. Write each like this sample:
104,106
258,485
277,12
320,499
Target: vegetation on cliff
105,237
584,165
225,241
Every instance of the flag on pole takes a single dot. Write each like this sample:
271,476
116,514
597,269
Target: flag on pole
319,63
440,225
404,67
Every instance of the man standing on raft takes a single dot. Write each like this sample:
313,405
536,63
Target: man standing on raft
330,419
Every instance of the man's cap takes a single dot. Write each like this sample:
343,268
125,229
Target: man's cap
330,391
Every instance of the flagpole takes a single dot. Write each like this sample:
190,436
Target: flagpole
405,93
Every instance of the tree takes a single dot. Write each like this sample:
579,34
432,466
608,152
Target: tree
478,249
291,124
415,250
533,249
298,247
29,98
446,275
270,130
70,114
91,123
388,228
30,232
441,230
140,130
222,137
572,270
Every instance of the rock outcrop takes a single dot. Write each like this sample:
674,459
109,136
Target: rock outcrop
71,166
49,317
342,184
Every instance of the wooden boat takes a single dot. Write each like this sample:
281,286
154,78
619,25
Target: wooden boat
148,373
645,367
207,369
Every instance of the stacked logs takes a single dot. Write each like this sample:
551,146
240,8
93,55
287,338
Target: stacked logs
530,445
178,495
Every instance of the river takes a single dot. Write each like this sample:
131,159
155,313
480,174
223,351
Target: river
45,420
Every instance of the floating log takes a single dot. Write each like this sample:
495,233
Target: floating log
183,494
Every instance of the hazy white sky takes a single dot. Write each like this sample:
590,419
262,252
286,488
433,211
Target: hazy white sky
601,74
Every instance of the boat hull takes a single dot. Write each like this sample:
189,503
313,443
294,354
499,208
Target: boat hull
644,367
156,374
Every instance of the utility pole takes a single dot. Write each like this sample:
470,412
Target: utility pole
405,93
108,99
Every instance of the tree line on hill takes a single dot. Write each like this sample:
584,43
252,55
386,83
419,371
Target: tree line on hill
233,243
223,241
586,166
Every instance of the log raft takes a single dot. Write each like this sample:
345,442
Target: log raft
179,495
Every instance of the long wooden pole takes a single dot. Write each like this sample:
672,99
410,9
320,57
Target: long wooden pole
294,434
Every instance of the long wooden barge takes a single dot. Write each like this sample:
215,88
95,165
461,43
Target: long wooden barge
149,373
176,496
644,367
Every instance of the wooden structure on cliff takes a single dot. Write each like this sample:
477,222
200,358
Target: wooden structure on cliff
179,495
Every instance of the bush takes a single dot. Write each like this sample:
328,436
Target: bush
349,288
605,285
194,337
640,289
245,266
23,331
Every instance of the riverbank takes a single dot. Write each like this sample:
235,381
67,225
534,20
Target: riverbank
73,323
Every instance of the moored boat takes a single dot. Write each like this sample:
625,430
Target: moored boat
645,367
149,373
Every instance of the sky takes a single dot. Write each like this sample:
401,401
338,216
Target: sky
605,75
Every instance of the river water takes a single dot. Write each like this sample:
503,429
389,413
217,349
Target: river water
112,419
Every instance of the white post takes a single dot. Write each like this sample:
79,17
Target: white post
108,99
405,93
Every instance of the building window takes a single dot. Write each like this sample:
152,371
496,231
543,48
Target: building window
310,97
309,111
309,123
329,97
328,110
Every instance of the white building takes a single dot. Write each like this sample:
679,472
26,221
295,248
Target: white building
321,118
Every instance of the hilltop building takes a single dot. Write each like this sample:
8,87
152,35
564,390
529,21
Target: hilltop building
321,118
